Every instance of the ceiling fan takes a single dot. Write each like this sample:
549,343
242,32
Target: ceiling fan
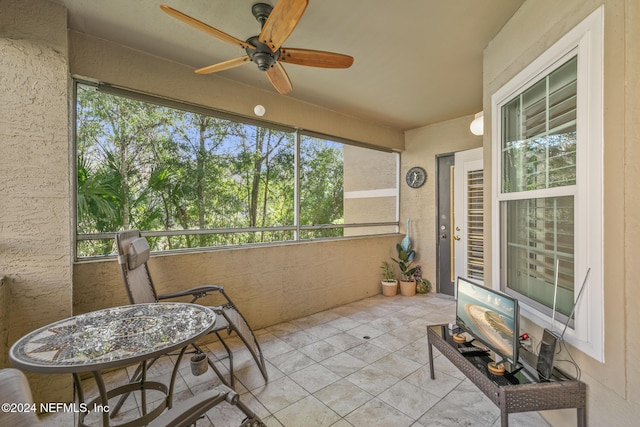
266,49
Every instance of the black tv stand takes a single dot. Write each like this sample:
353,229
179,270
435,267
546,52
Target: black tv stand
515,391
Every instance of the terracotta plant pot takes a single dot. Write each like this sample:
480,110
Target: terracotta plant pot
408,289
389,289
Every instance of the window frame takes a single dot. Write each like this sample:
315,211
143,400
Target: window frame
586,41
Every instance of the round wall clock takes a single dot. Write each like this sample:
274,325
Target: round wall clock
416,177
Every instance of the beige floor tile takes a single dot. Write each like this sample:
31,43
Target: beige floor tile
314,377
307,412
343,397
320,350
279,394
323,331
368,352
343,364
373,380
409,399
292,361
344,341
376,413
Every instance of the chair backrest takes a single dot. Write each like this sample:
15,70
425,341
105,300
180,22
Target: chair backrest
133,253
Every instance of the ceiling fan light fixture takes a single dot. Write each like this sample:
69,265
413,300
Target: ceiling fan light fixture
477,125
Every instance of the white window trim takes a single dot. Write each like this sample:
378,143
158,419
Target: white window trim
586,39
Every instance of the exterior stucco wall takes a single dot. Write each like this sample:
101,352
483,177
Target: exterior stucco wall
631,290
422,146
269,284
612,386
35,248
368,177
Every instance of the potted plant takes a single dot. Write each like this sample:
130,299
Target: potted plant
389,282
422,285
405,258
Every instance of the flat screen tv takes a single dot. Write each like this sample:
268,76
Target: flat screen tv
489,316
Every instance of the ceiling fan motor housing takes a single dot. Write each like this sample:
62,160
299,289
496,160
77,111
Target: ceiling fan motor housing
261,55
261,12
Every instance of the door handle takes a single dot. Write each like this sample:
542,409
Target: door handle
456,237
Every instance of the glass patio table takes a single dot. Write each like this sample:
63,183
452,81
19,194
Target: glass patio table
110,338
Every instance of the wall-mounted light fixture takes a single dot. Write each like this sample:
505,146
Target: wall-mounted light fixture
477,125
259,110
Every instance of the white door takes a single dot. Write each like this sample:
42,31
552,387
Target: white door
468,232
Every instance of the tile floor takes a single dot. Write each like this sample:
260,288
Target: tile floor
361,364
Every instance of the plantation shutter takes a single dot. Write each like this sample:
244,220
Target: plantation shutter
539,175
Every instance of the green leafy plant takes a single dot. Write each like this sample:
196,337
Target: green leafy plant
388,273
404,261
423,286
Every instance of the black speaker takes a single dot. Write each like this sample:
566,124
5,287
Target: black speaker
546,354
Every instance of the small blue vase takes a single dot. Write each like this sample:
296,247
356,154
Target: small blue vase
406,242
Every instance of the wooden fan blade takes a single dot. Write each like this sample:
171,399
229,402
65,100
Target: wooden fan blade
315,58
279,78
282,20
232,63
204,27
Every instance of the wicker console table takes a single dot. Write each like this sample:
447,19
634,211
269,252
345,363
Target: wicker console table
518,392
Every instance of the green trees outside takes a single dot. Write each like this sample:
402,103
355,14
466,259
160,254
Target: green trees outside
321,183
148,166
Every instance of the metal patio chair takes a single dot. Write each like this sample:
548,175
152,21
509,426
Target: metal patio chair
133,253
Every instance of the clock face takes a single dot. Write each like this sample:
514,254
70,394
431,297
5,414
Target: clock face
416,177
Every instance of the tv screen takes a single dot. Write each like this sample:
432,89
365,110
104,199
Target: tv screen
489,316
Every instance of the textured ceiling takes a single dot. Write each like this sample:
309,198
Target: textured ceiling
416,61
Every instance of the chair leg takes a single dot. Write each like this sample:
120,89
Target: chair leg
230,354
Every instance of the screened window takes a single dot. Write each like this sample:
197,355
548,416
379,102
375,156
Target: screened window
188,177
321,187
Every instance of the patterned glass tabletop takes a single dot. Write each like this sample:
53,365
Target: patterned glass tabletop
111,337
